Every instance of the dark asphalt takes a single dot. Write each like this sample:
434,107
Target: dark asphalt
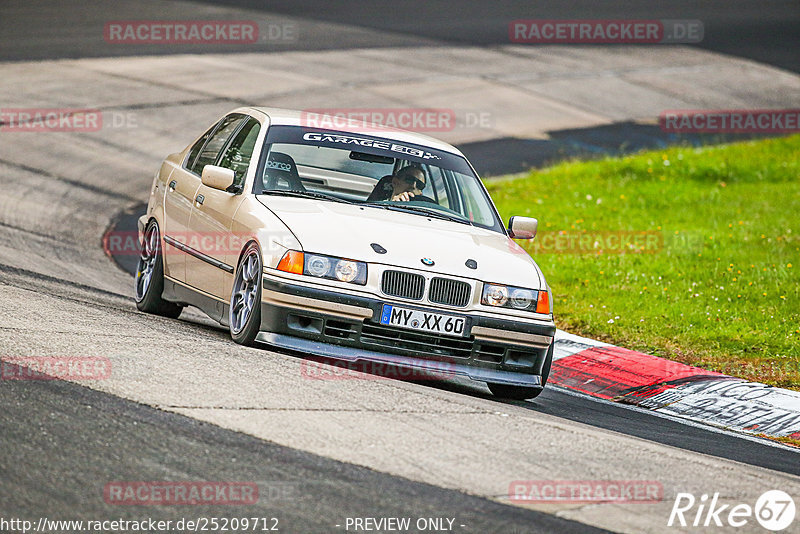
509,155
767,31
62,443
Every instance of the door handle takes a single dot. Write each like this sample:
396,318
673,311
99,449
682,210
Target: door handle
200,199
172,185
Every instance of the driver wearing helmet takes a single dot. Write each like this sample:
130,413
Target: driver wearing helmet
401,186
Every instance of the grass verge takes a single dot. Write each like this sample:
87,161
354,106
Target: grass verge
691,254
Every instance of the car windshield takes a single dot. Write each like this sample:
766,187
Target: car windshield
360,168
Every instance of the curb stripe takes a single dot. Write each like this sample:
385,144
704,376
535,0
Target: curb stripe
612,372
621,375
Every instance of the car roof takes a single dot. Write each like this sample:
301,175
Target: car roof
288,117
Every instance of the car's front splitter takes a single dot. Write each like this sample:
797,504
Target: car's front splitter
442,370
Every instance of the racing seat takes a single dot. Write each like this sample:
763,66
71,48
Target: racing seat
280,173
383,189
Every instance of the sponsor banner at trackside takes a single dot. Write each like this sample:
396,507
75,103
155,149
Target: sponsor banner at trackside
736,405
620,375
603,31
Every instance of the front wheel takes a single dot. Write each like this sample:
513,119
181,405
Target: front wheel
505,391
150,277
245,309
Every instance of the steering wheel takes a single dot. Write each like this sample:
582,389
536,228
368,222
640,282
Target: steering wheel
423,198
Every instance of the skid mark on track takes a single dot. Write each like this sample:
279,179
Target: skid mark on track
75,183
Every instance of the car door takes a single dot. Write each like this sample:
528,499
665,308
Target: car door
179,197
212,216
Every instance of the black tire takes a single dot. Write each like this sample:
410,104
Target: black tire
149,281
244,315
506,391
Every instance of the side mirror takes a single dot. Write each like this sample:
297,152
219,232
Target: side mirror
217,177
522,227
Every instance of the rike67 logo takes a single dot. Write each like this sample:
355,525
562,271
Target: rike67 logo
774,510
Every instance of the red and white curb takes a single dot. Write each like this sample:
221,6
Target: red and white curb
621,375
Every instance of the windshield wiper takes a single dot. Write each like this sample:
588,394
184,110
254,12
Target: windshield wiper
304,194
422,210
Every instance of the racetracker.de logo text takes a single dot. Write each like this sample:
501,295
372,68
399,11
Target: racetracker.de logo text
576,31
153,493
181,32
582,491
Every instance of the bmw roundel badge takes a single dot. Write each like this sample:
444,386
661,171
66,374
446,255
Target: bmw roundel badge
427,261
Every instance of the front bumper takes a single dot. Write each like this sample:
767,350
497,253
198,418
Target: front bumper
344,326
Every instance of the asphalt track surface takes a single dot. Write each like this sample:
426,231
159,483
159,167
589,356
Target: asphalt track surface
62,441
766,31
63,432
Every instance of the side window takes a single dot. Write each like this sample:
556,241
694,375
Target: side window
197,146
439,186
475,208
209,153
239,152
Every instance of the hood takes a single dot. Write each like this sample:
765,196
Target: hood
348,230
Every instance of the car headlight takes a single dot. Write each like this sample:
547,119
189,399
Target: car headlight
516,298
522,298
320,266
494,295
346,270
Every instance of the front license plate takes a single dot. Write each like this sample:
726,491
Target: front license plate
437,323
